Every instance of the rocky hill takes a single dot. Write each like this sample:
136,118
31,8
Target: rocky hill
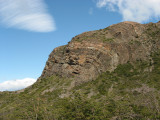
92,53
107,74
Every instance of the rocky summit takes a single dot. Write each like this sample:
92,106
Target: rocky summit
92,53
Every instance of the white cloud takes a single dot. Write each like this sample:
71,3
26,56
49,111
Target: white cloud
29,15
13,85
133,10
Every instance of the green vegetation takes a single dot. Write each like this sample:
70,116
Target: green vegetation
107,28
152,31
108,39
131,92
136,42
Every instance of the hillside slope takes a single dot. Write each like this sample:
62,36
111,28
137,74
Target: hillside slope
108,74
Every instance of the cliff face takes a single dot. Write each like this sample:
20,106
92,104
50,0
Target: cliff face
91,53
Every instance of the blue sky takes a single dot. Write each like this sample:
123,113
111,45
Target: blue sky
24,50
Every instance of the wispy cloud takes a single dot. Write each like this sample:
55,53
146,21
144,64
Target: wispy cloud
16,84
29,15
133,10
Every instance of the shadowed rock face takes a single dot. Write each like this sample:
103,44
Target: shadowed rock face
91,53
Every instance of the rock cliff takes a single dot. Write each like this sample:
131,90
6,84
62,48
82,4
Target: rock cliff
91,53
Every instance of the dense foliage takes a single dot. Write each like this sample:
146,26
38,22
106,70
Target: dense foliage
132,91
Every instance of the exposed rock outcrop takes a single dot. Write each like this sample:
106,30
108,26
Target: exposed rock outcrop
91,53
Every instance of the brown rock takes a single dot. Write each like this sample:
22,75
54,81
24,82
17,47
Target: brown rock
91,53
